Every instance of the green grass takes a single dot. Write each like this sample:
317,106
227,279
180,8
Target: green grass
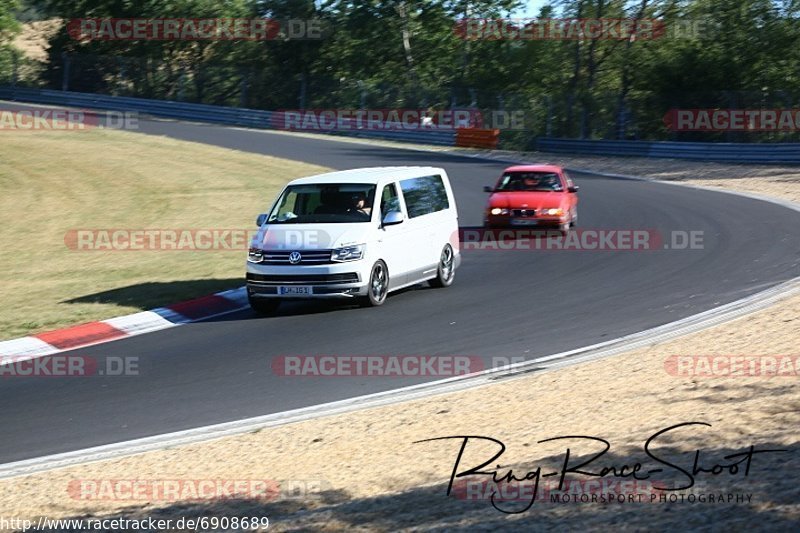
54,182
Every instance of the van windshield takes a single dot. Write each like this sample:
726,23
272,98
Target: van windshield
324,203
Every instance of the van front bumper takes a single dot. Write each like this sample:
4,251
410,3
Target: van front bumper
343,280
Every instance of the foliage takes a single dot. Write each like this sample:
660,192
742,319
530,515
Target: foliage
408,53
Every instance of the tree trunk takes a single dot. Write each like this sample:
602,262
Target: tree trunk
626,79
572,86
413,75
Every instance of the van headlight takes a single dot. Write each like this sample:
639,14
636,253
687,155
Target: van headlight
255,255
349,253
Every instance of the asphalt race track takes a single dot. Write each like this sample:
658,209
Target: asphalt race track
502,304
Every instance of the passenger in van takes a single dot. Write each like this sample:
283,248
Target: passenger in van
327,203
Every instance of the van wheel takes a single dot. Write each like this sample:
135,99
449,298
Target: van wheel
446,271
264,306
378,286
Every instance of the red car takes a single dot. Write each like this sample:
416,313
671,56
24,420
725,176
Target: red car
540,196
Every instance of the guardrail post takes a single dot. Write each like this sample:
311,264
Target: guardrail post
65,65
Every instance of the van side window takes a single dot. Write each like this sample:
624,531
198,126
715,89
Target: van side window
389,200
424,195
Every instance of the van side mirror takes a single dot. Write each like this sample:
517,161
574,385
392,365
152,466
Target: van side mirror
574,188
261,219
487,188
392,218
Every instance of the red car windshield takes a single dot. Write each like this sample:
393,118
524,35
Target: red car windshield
530,181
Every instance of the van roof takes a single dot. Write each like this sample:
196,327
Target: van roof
368,175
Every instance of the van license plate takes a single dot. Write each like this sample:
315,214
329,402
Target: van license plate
302,290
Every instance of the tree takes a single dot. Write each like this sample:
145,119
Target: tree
8,22
8,28
410,53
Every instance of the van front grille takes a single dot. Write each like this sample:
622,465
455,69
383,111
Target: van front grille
307,257
302,279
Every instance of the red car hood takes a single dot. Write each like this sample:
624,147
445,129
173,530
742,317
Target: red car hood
532,200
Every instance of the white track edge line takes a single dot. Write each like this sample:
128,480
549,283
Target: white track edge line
605,349
127,335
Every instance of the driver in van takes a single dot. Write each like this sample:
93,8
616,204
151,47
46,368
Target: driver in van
358,204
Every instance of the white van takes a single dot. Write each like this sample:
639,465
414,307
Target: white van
358,233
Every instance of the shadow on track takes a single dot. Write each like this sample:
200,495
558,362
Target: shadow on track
152,295
156,294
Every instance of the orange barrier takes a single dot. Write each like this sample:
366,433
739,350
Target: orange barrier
477,138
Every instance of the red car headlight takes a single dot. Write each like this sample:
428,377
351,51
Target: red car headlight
552,212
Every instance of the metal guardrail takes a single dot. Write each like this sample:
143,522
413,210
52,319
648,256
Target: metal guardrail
239,116
700,151
163,108
441,138
255,118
